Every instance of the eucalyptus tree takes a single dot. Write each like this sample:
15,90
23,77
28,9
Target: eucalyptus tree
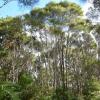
16,60
63,36
54,45
13,43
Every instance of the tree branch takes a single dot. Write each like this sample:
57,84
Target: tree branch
5,3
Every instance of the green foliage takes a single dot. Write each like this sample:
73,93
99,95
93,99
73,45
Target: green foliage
25,79
24,90
80,24
62,58
91,90
9,91
61,94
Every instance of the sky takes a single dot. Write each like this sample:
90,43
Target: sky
12,8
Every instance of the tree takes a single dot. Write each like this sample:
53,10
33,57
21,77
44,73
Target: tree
21,2
96,4
49,54
59,56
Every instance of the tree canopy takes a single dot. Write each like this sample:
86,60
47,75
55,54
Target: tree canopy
49,54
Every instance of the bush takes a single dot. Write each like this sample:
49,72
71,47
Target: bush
60,94
9,91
